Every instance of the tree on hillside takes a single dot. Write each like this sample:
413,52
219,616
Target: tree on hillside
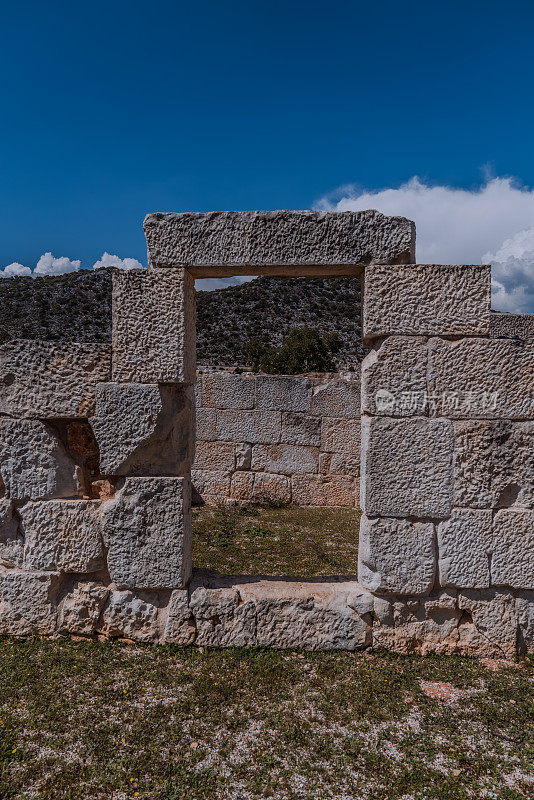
303,350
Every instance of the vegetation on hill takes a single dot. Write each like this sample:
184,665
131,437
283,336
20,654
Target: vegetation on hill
303,350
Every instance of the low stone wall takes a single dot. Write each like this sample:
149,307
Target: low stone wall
278,438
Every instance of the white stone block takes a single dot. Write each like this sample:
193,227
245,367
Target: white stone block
254,427
285,459
512,562
283,393
27,603
394,378
226,390
465,546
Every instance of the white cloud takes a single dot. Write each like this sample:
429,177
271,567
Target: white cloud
15,270
109,260
494,223
48,265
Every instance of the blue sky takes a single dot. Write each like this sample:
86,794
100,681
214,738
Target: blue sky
114,109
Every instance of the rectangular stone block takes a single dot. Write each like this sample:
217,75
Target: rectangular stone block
337,398
27,603
11,541
242,486
300,428
211,484
62,535
154,339
394,378
218,456
285,459
511,326
481,378
79,610
131,615
406,467
283,393
223,390
34,464
493,463
512,562
269,488
427,299
147,531
278,242
341,436
51,379
339,464
465,545
254,427
396,556
206,424
144,429
324,490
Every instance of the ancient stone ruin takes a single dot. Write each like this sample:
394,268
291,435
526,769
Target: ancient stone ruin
97,441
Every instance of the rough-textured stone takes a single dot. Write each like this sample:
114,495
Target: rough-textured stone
80,609
11,541
297,242
300,429
218,456
283,393
130,615
512,563
222,618
510,326
394,378
406,467
481,378
143,429
490,623
268,488
27,603
324,490
226,390
397,556
284,459
153,326
341,436
180,627
242,486
493,463
427,299
51,379
62,535
254,427
34,464
339,464
211,483
465,545
147,530
243,455
337,398
525,620
206,423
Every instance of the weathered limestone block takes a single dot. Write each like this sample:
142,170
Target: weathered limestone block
284,459
269,488
288,242
242,486
206,423
340,464
130,615
51,379
28,603
341,436
490,623
323,490
417,624
180,627
481,378
147,530
254,427
224,390
301,429
337,398
62,535
493,463
396,556
154,338
427,299
243,455
222,618
512,563
143,429
211,483
310,615
465,546
80,609
525,619
406,467
283,393
218,456
394,378
510,326
34,464
11,542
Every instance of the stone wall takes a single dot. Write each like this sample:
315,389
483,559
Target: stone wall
271,437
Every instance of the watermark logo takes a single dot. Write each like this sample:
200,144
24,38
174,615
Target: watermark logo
414,402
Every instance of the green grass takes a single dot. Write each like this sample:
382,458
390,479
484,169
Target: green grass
276,540
89,720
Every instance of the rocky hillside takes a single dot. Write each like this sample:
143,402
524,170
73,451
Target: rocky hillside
77,307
